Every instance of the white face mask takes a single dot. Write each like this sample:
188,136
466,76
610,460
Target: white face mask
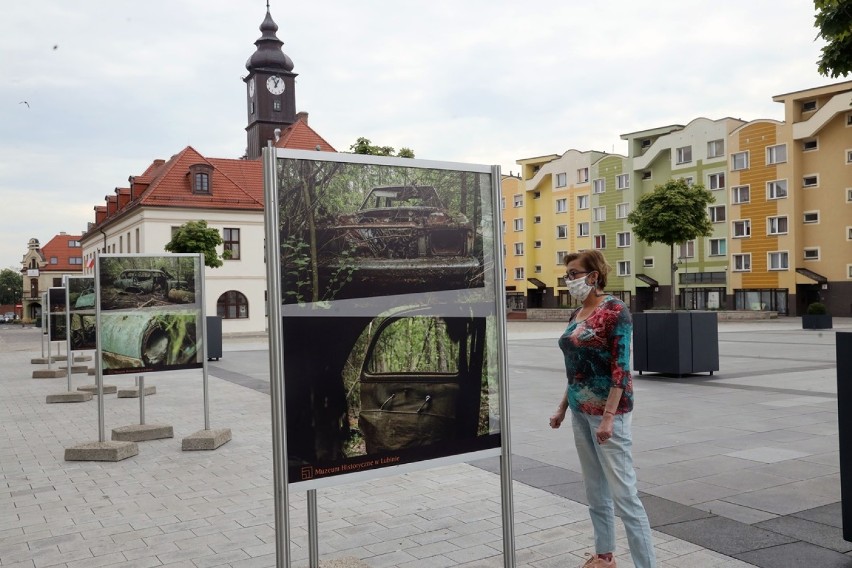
578,288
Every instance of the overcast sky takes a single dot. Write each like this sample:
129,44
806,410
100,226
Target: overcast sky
111,85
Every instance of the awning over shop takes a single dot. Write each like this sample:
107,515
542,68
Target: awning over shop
537,283
819,278
648,280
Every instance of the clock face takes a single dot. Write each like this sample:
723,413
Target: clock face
251,87
275,84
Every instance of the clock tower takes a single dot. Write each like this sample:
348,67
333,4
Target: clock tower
270,92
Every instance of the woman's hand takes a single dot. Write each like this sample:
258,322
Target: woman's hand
558,416
604,431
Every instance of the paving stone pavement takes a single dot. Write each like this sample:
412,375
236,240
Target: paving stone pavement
737,469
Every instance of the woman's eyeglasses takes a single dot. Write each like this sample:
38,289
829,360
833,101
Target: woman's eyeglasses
572,274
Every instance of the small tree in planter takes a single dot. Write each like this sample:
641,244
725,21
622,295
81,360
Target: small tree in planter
674,212
816,317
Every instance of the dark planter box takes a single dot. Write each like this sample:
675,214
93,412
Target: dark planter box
676,343
816,321
214,338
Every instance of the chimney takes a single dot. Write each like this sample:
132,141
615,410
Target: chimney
303,116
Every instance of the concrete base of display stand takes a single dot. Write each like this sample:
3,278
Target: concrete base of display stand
142,432
133,392
58,358
206,439
108,389
102,451
39,360
81,358
76,369
70,396
49,373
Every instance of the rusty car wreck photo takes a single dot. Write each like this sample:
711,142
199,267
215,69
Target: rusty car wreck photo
401,238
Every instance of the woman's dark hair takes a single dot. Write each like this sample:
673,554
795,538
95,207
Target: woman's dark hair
593,261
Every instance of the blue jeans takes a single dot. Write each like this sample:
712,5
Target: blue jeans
611,486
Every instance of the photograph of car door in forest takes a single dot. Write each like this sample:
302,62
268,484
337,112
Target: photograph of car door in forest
411,373
81,308
150,315
56,314
352,230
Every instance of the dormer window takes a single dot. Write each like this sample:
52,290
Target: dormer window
200,177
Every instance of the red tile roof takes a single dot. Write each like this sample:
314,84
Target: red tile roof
58,247
300,136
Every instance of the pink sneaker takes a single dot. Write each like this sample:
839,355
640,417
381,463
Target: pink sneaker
595,561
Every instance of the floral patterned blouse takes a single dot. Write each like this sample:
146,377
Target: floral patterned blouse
597,357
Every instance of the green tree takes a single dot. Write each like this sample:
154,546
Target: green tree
834,21
675,212
11,286
196,236
364,146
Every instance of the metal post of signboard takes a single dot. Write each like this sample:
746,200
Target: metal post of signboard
313,530
141,384
276,367
69,354
199,296
505,432
99,371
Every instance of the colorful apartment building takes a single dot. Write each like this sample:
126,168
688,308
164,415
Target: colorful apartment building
782,216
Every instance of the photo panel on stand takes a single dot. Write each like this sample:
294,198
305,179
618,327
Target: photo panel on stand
389,335
81,296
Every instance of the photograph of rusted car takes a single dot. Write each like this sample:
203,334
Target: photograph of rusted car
147,282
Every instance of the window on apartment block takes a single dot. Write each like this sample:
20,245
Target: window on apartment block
537,244
810,181
537,269
623,239
849,195
686,250
777,225
742,229
231,238
718,247
716,148
622,210
561,205
583,229
778,260
599,185
536,194
561,231
519,249
518,200
582,202
646,143
717,213
560,257
776,154
849,119
742,262
561,180
599,214
232,305
683,155
518,224
849,233
739,161
810,217
648,262
537,219
716,181
849,156
622,268
740,194
583,175
600,241
809,106
519,273
811,253
646,175
810,144
776,189
622,181
502,203
689,180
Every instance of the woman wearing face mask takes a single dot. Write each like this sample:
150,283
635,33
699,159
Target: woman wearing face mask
596,345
